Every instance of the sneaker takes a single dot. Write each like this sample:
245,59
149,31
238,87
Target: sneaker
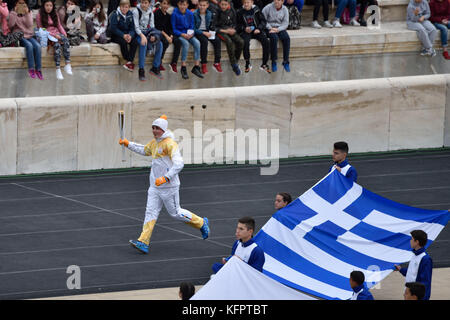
142,247
431,52
446,55
68,69
274,66
354,23
205,228
327,24
362,22
142,74
93,41
129,66
265,68
236,69
204,68
39,75
315,24
32,73
154,71
173,67
184,74
217,67
59,75
161,67
286,66
337,24
196,70
248,67
423,52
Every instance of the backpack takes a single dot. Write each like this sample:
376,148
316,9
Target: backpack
295,18
108,28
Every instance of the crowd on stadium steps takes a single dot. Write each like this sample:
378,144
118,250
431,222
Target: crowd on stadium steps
148,26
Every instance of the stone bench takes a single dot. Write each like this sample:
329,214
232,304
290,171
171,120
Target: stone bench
306,42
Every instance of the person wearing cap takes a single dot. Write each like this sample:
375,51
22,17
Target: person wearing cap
164,183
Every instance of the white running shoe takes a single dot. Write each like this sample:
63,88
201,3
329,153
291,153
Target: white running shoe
68,69
327,24
355,23
337,24
59,75
315,24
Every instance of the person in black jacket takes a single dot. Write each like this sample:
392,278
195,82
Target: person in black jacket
251,25
226,31
123,33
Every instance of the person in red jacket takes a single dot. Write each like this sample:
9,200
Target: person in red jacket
440,17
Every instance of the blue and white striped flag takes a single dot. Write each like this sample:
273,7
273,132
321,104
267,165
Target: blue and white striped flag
336,227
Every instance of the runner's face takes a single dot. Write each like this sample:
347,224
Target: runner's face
157,132
338,155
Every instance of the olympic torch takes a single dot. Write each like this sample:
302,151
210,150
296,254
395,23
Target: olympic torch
122,132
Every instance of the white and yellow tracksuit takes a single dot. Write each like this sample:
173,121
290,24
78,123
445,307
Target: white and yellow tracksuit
166,161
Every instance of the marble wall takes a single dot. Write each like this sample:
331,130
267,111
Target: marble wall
50,134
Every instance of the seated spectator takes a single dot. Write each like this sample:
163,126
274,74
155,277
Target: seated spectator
72,25
148,37
440,17
183,28
204,26
21,19
282,199
96,23
364,4
360,290
163,24
251,24
341,5
187,290
245,248
123,33
48,18
418,13
414,291
325,13
295,8
7,38
226,31
277,18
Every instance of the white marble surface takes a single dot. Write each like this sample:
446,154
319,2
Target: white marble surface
47,134
353,111
8,136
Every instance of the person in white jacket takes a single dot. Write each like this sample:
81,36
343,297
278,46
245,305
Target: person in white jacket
164,183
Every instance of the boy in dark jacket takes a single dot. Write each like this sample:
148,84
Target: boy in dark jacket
226,30
204,30
440,17
251,25
123,33
163,24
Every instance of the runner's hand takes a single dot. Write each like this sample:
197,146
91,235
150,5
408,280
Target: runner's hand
161,180
124,142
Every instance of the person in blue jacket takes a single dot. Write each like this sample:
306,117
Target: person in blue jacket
340,152
360,290
123,33
420,267
244,247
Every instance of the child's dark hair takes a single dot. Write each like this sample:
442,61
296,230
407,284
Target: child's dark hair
187,290
52,14
341,145
101,14
420,236
286,197
358,277
417,289
248,221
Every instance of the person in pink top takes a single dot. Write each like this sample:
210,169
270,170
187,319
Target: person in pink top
7,38
21,19
47,18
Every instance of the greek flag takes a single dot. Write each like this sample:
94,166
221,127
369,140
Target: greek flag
336,227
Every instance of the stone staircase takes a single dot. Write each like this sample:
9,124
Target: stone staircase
392,36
